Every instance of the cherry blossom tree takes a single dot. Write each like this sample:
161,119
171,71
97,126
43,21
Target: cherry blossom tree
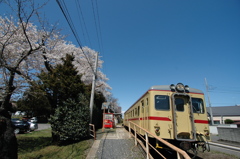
84,62
21,46
26,50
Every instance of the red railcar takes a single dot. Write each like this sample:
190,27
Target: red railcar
108,120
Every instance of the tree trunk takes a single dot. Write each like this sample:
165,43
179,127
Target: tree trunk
8,140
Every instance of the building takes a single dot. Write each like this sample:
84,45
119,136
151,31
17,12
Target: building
220,114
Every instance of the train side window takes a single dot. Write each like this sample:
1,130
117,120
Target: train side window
138,110
197,105
162,102
179,102
142,102
147,101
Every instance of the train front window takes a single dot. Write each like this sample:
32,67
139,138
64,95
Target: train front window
162,102
179,102
197,105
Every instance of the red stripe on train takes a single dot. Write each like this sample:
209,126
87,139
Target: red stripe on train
167,119
201,121
152,118
159,118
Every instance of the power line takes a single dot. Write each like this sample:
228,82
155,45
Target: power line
96,19
98,26
65,12
97,23
228,92
81,18
224,89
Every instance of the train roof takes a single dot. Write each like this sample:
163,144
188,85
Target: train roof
167,88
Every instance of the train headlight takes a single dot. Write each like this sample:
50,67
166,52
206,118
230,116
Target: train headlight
172,87
206,132
186,88
180,87
157,129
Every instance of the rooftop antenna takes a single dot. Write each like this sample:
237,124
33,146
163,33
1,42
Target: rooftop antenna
209,103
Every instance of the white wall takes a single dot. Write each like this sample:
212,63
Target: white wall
214,130
223,118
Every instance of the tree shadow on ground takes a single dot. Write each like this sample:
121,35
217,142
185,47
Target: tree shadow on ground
29,144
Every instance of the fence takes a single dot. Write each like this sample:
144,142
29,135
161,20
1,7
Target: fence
92,131
229,134
180,153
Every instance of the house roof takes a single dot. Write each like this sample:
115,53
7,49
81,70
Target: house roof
225,111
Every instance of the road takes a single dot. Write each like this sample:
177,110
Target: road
43,126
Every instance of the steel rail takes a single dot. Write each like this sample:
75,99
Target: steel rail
230,147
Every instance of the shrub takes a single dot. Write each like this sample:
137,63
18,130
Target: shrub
71,120
228,121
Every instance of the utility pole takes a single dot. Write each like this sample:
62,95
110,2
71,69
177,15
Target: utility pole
93,88
209,103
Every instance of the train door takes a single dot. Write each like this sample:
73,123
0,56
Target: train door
143,115
126,119
183,117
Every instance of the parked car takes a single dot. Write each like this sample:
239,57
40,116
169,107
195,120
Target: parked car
33,126
33,120
20,126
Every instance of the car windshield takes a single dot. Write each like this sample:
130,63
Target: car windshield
17,120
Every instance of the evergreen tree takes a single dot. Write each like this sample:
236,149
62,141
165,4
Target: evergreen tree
62,83
34,103
97,110
229,121
69,105
71,119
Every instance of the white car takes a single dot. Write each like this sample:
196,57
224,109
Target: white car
33,126
33,120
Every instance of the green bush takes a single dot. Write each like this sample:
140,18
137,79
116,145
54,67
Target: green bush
228,121
71,120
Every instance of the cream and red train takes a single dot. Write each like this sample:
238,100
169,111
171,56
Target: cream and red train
175,113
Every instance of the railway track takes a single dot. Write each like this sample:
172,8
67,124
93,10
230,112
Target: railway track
225,146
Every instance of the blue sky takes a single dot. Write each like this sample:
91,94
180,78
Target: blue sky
161,42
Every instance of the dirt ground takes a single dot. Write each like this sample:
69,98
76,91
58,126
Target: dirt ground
215,155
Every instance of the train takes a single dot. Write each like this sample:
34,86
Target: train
176,113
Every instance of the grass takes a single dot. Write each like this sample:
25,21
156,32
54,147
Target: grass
37,145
